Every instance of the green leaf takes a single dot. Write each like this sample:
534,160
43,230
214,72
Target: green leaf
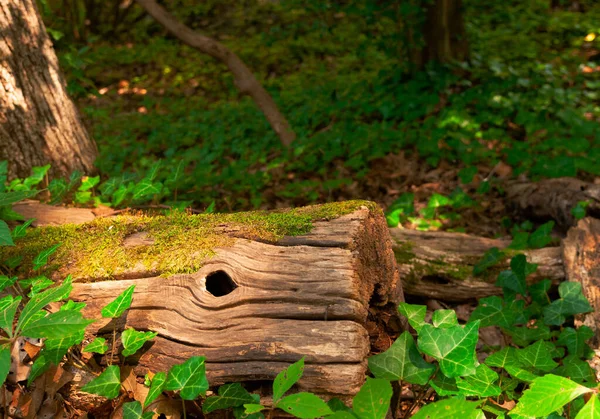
523,336
537,356
572,301
489,259
189,378
38,284
492,312
453,347
402,361
42,259
134,340
337,405
88,183
39,301
230,395
438,200
57,325
72,305
58,188
520,373
547,394
304,406
21,230
118,306
579,210
251,408
539,292
577,370
5,362
156,388
574,340
107,384
287,378
40,365
444,386
541,237
175,175
37,175
5,235
444,318
98,346
467,174
8,308
6,282
83,197
414,313
8,198
447,409
373,399
502,358
481,384
133,410
591,410
146,188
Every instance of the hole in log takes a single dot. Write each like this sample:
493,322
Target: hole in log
219,283
435,279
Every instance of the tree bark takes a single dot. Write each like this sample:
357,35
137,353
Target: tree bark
244,79
39,124
444,34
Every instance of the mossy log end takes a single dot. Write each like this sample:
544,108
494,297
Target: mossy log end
252,292
436,264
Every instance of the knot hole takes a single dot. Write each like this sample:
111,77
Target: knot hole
219,283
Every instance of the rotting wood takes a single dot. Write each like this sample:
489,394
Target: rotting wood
305,295
581,254
439,265
554,199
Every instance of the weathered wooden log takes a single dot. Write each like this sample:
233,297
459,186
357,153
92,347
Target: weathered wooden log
554,199
581,254
437,264
253,292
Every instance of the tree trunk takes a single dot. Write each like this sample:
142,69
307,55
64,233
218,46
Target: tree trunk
39,124
244,79
443,33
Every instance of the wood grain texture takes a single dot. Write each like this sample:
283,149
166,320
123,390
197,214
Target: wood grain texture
306,296
581,254
439,265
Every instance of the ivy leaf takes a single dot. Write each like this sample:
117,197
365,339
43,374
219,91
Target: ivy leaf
42,299
577,370
5,235
489,259
134,340
57,325
572,301
8,308
252,408
447,409
539,292
537,356
40,365
574,340
520,373
118,306
107,384
304,406
579,210
444,318
373,399
230,395
402,361
444,386
88,183
55,349
414,313
72,305
541,237
481,384
8,198
287,378
42,258
502,358
189,378
591,410
547,394
156,388
6,282
491,311
453,347
175,175
37,175
5,362
133,410
98,346
145,188
522,336
21,230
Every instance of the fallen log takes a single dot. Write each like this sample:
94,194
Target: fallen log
252,292
439,265
554,199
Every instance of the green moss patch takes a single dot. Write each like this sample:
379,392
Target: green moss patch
182,242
